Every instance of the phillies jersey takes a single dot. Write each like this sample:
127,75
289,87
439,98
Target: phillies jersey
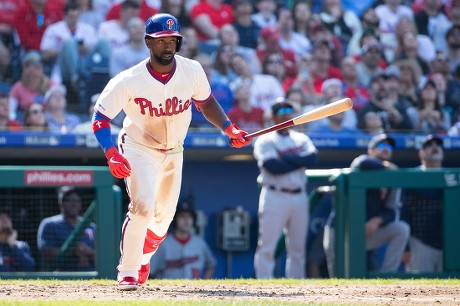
177,259
158,113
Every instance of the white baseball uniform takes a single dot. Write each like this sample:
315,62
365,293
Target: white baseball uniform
158,115
283,204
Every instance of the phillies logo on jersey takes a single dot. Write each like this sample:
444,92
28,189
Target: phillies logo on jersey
170,23
172,106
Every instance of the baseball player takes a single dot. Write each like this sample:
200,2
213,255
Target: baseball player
156,95
183,255
282,158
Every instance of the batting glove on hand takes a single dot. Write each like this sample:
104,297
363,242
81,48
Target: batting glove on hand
118,165
236,136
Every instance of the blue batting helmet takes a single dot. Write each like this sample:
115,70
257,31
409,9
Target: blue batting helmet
162,25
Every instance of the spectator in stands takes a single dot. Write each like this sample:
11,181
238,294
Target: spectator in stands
5,122
59,119
145,10
321,34
301,13
451,97
63,44
373,124
15,255
454,130
335,123
89,14
32,19
428,116
289,39
370,23
342,23
382,205
303,80
8,43
425,47
269,43
243,114
222,68
208,16
453,47
409,78
389,14
229,36
409,50
351,86
183,255
128,55
394,115
264,88
32,86
115,31
35,119
297,99
273,65
423,211
265,14
371,56
248,30
54,232
432,21
178,8
190,44
86,126
220,91
322,69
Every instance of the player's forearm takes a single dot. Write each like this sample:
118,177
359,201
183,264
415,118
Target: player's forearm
101,129
214,113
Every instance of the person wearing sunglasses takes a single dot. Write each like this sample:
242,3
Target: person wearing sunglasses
423,211
282,157
15,255
382,226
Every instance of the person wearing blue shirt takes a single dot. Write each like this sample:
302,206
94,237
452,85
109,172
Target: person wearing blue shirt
15,255
54,231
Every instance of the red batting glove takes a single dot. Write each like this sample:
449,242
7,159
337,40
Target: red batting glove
118,165
236,136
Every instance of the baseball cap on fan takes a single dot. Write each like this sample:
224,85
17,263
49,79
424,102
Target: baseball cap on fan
429,139
270,34
375,140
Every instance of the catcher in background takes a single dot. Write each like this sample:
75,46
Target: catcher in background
283,157
156,95
183,255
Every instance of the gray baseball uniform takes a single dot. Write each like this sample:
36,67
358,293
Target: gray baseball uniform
283,203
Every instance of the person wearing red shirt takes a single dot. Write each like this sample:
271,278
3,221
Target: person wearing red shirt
269,44
33,18
208,16
146,11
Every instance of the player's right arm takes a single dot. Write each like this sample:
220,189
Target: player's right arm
118,165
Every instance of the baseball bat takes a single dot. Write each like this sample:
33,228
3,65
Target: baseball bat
315,114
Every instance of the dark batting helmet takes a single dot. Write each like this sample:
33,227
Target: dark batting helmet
162,25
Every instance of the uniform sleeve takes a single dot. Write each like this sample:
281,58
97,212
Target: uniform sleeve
264,149
113,98
45,236
202,87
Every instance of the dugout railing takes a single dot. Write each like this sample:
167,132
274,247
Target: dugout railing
19,183
350,209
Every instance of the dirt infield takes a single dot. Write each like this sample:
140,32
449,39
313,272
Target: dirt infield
404,294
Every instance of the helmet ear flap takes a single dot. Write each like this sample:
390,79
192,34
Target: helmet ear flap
179,44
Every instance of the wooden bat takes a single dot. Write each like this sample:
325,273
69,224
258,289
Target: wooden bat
315,114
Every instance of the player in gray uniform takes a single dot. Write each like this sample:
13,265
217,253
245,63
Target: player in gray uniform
283,157
183,255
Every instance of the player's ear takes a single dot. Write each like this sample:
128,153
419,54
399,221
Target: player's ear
147,41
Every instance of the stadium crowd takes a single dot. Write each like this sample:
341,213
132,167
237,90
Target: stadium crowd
398,60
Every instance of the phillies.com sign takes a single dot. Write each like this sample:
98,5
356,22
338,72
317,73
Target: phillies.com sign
58,177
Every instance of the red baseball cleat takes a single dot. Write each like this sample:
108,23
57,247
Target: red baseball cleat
128,283
144,272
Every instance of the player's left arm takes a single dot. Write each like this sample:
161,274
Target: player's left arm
214,113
